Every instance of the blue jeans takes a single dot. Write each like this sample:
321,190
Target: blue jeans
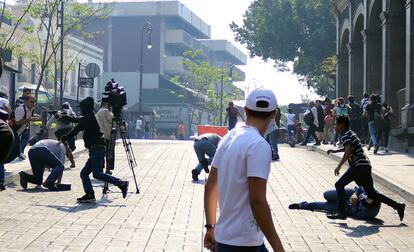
39,158
1,173
202,148
24,140
200,167
291,131
373,132
229,248
232,124
330,204
273,142
95,165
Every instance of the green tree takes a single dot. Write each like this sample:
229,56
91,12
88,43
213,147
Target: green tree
292,30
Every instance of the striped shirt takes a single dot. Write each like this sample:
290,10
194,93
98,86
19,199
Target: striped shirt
357,156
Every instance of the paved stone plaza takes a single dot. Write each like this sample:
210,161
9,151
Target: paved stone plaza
168,214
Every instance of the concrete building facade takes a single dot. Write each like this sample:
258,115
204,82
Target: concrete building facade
375,48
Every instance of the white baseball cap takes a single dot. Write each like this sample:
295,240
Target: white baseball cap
262,100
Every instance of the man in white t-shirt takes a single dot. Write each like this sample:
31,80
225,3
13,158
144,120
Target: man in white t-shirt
138,127
238,180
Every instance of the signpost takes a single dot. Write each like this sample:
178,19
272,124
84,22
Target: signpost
86,82
92,71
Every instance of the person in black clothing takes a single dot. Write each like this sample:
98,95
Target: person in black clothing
231,114
359,171
384,127
6,140
321,121
94,141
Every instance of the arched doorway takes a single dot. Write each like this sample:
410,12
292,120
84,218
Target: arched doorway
357,59
343,65
374,47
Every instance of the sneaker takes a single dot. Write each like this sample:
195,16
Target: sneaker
124,188
400,210
275,157
2,188
303,144
50,185
206,169
87,198
337,215
23,180
194,175
295,206
386,150
376,149
22,156
317,144
72,165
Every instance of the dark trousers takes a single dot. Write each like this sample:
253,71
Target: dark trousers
40,158
384,133
71,141
356,126
232,124
311,132
24,139
229,248
95,166
362,176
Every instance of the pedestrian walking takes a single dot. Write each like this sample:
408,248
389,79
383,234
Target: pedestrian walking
147,131
232,114
138,127
373,113
321,121
355,115
359,171
364,120
181,130
340,109
238,180
385,127
291,127
311,119
329,121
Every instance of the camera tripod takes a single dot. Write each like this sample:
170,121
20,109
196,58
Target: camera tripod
118,125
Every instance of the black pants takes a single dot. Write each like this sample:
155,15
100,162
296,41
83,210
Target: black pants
362,176
384,133
220,247
356,126
311,132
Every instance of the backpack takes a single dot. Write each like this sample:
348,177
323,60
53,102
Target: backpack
12,120
309,118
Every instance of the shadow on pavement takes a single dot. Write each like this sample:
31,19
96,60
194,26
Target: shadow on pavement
81,207
364,230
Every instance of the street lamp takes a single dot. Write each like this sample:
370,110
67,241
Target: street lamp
230,76
146,29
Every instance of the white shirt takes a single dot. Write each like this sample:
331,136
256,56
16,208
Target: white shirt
139,124
291,119
241,154
3,101
19,115
57,148
104,118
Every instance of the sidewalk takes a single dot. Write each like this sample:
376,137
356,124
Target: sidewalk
13,168
393,170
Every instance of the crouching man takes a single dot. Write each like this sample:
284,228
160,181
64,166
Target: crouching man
46,153
205,144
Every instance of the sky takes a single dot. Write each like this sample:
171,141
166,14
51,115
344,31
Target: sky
219,14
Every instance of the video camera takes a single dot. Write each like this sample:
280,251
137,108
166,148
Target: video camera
116,97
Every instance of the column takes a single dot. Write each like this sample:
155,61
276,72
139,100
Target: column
393,59
356,73
407,112
343,74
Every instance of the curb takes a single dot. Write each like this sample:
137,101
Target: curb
382,180
14,177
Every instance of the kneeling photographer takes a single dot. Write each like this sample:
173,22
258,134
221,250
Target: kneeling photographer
46,153
94,141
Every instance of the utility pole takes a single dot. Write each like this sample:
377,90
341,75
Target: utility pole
61,12
146,29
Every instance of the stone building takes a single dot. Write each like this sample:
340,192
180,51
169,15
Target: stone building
375,48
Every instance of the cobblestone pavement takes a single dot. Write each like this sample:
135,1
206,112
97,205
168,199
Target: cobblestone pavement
168,214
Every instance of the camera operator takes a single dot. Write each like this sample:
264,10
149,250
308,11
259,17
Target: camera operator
104,118
6,139
46,153
94,141
64,123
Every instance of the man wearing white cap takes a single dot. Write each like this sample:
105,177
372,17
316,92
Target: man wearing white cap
238,180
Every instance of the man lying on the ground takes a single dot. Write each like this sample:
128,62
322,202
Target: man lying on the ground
358,204
46,153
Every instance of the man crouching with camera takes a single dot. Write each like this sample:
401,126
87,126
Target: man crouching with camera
94,141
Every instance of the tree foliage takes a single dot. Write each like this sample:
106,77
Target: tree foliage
291,30
204,80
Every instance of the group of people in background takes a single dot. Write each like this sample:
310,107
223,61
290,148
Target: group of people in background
371,120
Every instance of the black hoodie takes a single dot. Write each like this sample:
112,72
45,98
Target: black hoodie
92,135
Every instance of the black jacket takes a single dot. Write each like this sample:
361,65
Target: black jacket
92,135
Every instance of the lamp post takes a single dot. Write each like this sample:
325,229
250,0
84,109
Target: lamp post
230,76
146,29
